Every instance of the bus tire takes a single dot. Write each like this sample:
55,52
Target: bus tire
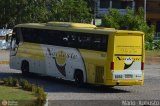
25,68
79,78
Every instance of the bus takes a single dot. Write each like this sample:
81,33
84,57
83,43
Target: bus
79,52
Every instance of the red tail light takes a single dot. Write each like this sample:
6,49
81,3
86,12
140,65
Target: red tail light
142,65
112,66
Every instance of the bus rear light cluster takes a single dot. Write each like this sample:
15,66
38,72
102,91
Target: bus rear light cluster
142,66
112,66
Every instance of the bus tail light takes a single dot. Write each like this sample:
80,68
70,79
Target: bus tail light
142,66
112,66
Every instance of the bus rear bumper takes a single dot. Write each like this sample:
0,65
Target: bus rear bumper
124,82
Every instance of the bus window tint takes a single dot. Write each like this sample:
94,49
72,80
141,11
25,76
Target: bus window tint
71,39
85,42
100,43
29,35
96,43
17,35
80,40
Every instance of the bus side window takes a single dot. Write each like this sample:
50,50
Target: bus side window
100,43
28,35
71,39
85,41
20,37
36,36
59,36
104,43
63,38
17,35
49,37
75,40
96,43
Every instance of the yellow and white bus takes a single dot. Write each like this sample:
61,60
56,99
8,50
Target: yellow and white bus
79,52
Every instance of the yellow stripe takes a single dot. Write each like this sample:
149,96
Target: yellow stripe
4,62
31,50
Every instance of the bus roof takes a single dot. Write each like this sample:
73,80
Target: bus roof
129,32
78,27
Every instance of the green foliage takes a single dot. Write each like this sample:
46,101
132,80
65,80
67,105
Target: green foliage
69,10
15,82
5,81
112,19
34,88
25,85
26,11
157,45
13,93
41,96
10,81
149,46
22,11
129,21
153,45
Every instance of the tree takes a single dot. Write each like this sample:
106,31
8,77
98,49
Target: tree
22,11
69,10
34,11
25,11
129,21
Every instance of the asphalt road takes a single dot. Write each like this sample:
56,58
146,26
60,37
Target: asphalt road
65,93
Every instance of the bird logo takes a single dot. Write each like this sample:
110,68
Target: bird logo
60,60
128,62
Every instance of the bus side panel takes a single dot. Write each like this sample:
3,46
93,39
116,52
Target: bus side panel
62,62
56,61
95,63
32,53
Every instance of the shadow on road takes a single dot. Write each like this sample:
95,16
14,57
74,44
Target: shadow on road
5,75
52,85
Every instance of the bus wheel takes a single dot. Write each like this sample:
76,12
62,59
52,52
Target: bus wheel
78,76
25,68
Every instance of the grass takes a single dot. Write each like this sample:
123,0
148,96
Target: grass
14,93
152,53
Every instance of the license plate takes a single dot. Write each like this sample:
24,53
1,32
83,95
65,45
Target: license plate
128,76
118,76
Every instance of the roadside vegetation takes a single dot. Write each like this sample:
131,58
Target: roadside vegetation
21,89
14,93
152,53
128,22
152,45
28,11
